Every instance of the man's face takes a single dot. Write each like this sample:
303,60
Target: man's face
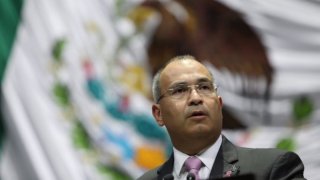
195,115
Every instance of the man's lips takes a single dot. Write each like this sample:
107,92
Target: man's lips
197,113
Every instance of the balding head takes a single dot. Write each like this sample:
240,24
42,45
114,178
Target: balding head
156,86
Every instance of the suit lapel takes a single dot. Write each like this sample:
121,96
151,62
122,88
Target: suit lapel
166,168
225,163
217,168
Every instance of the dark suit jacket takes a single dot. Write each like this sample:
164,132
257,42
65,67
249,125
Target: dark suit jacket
231,160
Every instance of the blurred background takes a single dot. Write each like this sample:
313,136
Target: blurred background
76,80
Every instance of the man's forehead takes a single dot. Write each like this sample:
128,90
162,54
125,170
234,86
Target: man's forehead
185,65
183,70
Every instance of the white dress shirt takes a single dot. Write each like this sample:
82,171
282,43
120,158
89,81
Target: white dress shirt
207,157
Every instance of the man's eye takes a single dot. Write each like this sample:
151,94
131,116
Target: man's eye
179,90
204,87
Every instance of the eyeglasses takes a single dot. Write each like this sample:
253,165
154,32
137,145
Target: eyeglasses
181,91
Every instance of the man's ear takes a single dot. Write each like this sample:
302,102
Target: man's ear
156,111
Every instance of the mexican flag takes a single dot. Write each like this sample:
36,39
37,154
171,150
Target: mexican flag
75,84
71,72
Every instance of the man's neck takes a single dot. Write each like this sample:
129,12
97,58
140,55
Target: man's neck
192,147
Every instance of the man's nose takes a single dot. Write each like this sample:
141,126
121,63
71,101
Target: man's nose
194,97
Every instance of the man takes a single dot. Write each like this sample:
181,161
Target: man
188,105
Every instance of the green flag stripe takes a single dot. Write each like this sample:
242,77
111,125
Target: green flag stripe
10,12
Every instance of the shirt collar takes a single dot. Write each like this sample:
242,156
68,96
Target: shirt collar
207,156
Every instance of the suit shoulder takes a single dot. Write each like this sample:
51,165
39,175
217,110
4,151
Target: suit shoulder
270,163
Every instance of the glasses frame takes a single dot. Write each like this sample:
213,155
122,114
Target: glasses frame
215,88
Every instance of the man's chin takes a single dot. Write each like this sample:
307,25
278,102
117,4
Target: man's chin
200,130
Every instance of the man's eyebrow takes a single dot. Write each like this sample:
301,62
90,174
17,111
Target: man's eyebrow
203,80
182,83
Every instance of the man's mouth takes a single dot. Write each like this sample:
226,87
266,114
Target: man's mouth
197,114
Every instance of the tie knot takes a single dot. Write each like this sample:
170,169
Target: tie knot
193,163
